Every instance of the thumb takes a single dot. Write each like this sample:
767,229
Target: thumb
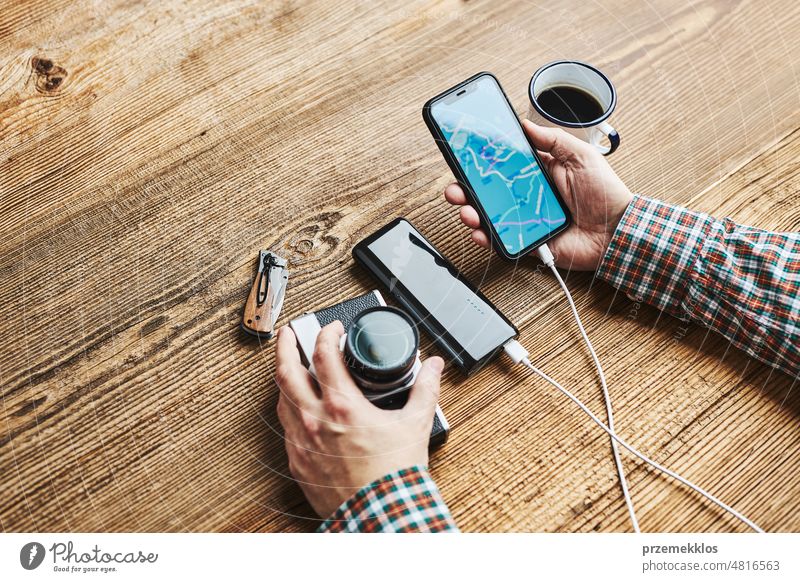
425,392
554,140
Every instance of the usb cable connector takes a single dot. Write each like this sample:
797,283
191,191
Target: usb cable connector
515,351
546,255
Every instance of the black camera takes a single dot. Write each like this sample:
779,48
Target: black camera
380,348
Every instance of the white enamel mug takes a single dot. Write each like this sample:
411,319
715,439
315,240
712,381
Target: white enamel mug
576,74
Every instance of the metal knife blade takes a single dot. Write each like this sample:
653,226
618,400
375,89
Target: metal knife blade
278,277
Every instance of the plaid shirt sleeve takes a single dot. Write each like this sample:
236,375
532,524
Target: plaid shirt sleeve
404,501
742,282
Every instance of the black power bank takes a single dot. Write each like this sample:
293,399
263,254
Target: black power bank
459,318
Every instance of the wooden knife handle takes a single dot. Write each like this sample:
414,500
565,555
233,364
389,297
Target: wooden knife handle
256,319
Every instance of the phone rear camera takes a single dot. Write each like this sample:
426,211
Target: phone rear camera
381,347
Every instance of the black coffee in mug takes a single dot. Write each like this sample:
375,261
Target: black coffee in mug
570,104
578,98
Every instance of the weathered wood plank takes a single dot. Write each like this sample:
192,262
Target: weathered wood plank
135,192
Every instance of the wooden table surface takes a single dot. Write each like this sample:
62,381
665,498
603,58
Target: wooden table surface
148,150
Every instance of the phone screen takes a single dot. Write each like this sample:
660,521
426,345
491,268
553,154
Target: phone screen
487,141
458,316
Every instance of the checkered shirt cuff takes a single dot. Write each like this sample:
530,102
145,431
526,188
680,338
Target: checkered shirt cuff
740,281
653,252
404,501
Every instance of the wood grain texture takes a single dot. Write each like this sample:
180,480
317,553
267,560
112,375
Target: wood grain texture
149,150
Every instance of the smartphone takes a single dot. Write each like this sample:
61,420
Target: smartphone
459,318
487,150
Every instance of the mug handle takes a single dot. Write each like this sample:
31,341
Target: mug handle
602,130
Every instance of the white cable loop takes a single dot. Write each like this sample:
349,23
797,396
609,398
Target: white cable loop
643,457
623,482
520,355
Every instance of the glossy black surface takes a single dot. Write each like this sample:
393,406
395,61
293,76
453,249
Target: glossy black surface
460,319
382,343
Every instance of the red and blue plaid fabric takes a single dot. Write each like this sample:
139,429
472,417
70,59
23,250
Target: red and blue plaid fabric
404,501
740,281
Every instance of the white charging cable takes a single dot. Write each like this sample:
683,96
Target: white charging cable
514,351
549,260
519,354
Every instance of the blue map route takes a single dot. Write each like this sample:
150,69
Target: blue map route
500,167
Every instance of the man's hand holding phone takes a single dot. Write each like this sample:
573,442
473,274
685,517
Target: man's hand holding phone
594,194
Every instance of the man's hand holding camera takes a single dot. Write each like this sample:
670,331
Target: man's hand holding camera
337,441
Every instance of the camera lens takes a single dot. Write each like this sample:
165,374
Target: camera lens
381,347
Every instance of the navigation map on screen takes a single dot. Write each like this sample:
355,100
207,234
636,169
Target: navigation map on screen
488,143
